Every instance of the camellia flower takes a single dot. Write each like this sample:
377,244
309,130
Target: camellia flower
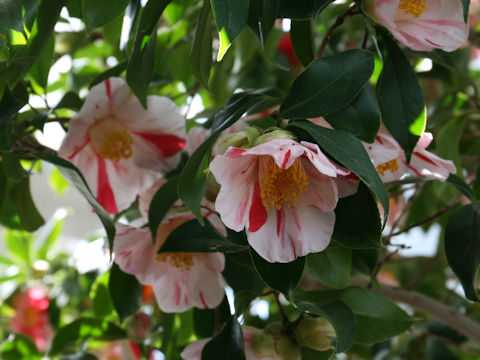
390,162
31,317
422,25
283,193
119,146
180,280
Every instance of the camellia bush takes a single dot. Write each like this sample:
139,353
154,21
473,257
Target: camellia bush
263,169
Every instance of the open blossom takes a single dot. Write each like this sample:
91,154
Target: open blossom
422,25
31,316
391,164
283,193
180,280
119,146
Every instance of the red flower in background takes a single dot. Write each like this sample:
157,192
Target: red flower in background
31,317
285,47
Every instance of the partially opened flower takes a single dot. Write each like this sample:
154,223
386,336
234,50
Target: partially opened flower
391,164
180,280
119,146
282,192
422,25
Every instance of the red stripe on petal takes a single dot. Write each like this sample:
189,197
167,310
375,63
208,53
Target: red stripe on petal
379,139
177,295
412,168
424,158
168,144
286,158
202,299
258,214
104,192
281,225
108,88
135,350
77,150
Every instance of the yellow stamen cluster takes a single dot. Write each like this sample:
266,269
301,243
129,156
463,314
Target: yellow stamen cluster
414,7
391,165
282,186
111,140
179,260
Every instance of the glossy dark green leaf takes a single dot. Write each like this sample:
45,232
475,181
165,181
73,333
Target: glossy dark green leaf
461,186
335,311
117,70
400,96
142,58
357,223
201,54
331,267
97,13
348,151
193,237
301,9
30,217
302,41
231,17
161,202
83,329
243,300
261,18
466,6
11,103
462,246
12,167
119,285
327,85
241,274
70,101
70,171
361,117
19,346
40,69
227,344
282,277
204,319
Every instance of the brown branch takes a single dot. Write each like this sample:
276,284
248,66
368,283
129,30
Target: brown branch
338,22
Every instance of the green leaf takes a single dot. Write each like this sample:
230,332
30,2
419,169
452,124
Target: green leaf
83,329
447,141
302,41
377,318
21,198
400,96
335,311
361,117
49,236
301,9
331,267
39,71
70,101
243,300
193,237
327,85
19,346
161,202
348,151
466,6
71,172
282,277
18,244
204,319
462,246
12,167
241,274
227,344
101,302
11,103
119,285
261,18
201,55
142,58
461,186
97,13
117,70
231,17
357,223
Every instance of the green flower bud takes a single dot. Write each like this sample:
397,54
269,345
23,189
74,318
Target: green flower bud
314,333
287,349
263,344
274,134
243,139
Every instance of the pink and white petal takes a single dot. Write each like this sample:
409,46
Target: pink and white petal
384,149
195,137
322,191
161,116
347,185
320,161
103,98
75,140
425,140
237,175
292,232
431,166
194,350
283,151
145,196
320,121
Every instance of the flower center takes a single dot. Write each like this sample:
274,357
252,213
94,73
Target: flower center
111,140
391,165
179,260
282,186
414,7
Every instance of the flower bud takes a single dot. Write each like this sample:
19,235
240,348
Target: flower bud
287,349
244,138
138,326
263,344
274,134
314,333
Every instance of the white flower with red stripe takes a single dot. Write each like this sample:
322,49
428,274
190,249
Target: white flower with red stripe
391,164
422,25
119,146
180,280
283,193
